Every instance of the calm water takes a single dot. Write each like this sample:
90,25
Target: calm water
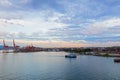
54,66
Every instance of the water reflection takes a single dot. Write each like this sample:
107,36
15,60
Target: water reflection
54,66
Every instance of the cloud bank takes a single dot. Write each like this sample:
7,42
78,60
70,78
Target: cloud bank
86,22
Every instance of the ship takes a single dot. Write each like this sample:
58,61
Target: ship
71,55
117,60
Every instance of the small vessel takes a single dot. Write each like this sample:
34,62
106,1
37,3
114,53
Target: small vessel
117,60
71,55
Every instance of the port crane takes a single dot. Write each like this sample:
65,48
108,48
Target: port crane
5,47
15,47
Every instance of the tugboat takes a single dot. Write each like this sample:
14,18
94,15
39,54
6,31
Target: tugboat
117,60
71,55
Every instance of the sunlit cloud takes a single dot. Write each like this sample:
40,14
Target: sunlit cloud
44,43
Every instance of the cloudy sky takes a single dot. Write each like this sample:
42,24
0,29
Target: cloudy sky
60,23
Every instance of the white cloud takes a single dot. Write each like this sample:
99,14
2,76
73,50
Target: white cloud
99,27
5,3
27,23
12,21
34,22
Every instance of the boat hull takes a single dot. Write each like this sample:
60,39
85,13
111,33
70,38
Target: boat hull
117,60
70,56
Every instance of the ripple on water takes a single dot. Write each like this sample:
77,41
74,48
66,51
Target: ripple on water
54,66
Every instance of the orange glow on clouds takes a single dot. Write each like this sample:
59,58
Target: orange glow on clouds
46,43
58,43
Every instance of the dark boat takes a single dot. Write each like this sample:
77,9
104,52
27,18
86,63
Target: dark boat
117,60
70,56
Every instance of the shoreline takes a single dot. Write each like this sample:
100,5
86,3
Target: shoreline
98,54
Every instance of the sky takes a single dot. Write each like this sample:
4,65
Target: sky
60,23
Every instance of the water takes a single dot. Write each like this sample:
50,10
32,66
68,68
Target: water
54,66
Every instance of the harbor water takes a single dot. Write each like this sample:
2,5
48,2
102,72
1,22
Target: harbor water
54,66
